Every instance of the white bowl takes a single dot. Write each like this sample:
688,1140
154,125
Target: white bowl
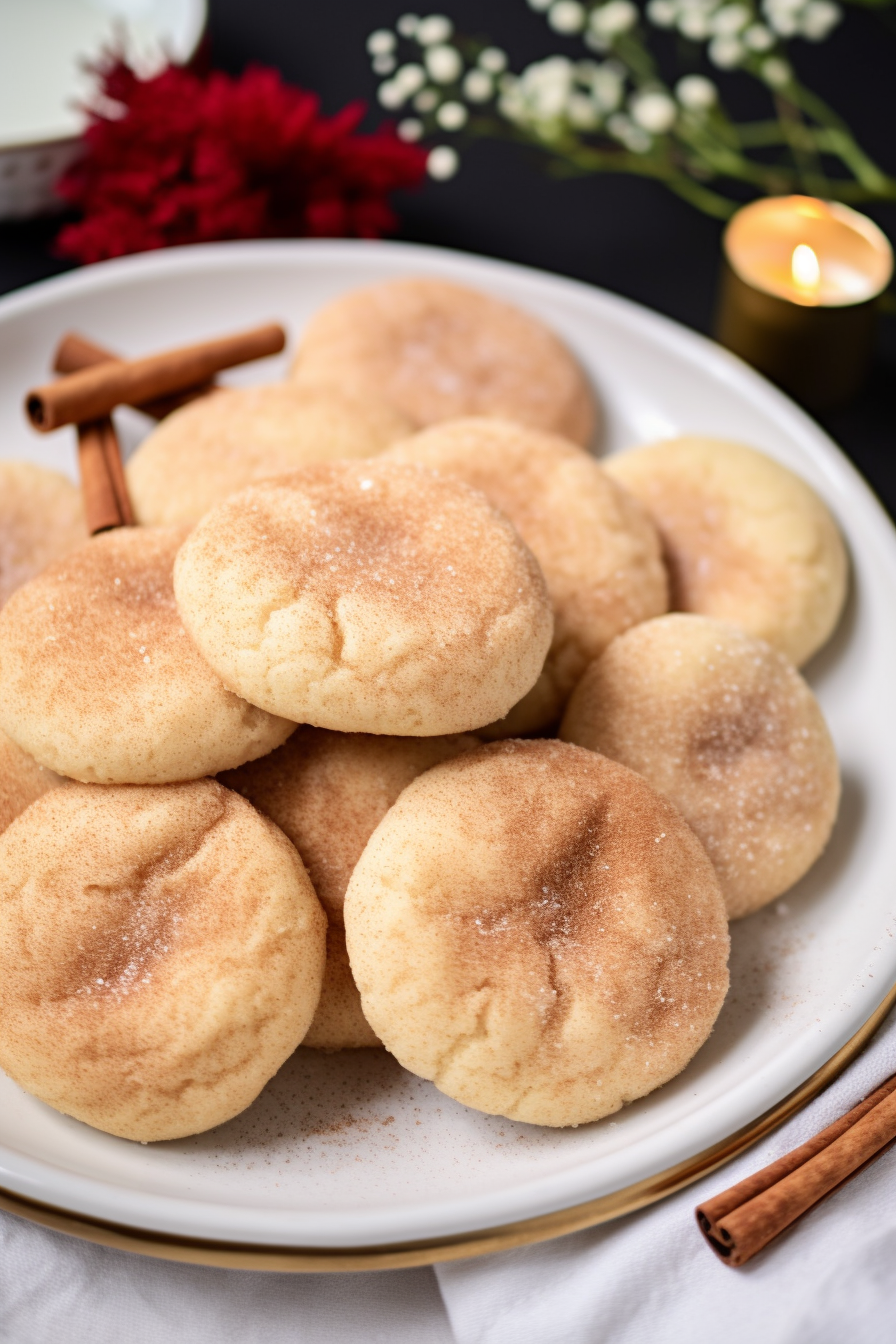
45,49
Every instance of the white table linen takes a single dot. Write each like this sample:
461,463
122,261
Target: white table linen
645,1279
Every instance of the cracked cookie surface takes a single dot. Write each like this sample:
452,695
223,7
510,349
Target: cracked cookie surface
536,930
161,955
366,597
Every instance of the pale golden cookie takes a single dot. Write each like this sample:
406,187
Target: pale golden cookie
161,955
437,351
41,520
100,681
598,550
536,930
339,1023
220,444
726,728
366,597
22,780
329,791
746,540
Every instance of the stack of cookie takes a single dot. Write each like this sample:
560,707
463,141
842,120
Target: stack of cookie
522,800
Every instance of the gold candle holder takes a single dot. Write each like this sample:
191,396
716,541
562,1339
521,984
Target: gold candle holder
798,298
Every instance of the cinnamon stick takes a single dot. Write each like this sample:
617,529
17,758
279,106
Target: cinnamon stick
742,1220
92,393
75,352
106,500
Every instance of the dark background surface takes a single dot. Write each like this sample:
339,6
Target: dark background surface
625,234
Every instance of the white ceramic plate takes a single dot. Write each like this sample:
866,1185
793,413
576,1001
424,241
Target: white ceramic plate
349,1150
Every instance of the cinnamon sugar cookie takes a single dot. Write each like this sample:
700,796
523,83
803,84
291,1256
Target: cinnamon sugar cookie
366,597
339,1023
745,539
726,728
327,792
437,351
22,781
536,930
597,548
100,681
161,955
220,444
41,519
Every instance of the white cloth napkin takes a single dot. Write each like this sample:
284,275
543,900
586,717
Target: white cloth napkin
645,1279
651,1279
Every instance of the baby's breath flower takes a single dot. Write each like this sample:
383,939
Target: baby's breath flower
433,31
443,63
407,24
478,86
611,19
729,20
726,52
511,103
608,86
381,43
582,112
539,5
410,78
623,129
493,59
442,163
383,65
776,72
567,16
452,116
758,38
662,13
391,95
654,111
426,100
693,23
819,18
782,16
696,93
410,129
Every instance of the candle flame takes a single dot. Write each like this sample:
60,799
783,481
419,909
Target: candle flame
805,269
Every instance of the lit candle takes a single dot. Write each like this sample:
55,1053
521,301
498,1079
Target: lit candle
798,297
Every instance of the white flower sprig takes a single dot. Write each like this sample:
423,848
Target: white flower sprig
612,110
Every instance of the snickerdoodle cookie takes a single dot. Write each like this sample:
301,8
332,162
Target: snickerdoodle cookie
328,792
339,1023
536,930
746,540
22,780
598,550
161,955
100,681
220,444
366,597
726,728
437,351
41,519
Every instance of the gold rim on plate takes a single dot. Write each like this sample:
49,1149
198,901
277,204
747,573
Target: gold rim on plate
314,1260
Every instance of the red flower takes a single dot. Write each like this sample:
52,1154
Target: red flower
182,158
